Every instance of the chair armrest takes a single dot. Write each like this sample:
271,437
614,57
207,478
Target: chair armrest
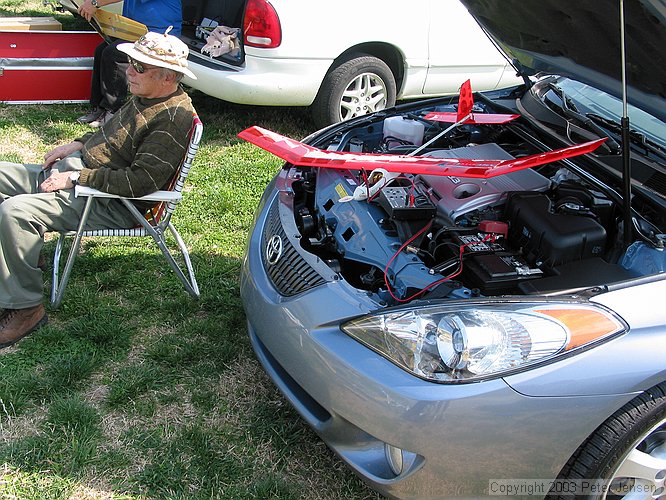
156,196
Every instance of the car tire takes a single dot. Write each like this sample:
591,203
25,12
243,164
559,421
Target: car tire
631,443
359,85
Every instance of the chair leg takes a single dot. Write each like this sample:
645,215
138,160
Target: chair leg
56,293
58,285
190,284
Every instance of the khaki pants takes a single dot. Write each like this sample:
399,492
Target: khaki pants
26,214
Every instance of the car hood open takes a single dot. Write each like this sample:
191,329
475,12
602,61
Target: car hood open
582,40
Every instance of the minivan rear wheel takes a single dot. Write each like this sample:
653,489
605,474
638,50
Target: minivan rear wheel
359,85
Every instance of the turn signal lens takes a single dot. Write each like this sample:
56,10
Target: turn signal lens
481,340
584,325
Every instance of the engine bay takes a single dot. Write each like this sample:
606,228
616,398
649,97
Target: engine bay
540,230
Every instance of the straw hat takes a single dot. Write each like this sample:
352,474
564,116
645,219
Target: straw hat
165,51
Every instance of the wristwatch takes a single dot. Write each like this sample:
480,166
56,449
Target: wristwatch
74,176
94,3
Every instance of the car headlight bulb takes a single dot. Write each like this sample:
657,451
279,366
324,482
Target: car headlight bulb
482,339
481,342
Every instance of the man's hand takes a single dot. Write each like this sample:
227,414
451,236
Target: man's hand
61,152
56,181
87,10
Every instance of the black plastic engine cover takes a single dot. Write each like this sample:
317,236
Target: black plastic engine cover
551,238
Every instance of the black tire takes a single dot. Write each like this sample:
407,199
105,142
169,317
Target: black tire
635,432
343,93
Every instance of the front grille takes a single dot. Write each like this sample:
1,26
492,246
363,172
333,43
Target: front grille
291,274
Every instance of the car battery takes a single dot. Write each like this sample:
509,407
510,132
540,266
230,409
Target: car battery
490,267
46,66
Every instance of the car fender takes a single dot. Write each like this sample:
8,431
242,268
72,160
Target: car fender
630,363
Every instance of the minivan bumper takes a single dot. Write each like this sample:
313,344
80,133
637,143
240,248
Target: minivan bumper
262,81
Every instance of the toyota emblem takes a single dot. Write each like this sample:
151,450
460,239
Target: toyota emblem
274,250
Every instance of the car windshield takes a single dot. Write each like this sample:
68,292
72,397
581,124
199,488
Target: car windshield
590,101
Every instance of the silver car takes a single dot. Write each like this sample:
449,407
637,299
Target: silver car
462,295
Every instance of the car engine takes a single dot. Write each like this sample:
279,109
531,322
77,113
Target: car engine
544,230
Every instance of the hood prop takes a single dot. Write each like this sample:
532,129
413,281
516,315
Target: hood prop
626,141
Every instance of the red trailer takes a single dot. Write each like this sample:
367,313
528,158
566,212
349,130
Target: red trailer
42,66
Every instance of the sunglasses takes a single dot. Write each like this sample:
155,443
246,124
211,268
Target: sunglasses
139,67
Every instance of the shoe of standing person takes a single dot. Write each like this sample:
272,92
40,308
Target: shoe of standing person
93,115
105,117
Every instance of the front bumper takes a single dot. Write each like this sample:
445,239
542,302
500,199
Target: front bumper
457,438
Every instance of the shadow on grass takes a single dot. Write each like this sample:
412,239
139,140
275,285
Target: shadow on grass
131,374
125,325
227,119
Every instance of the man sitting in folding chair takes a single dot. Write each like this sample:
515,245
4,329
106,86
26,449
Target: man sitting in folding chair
134,154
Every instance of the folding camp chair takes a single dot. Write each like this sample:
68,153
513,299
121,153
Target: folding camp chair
153,223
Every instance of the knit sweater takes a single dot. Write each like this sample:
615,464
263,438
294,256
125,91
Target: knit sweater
138,151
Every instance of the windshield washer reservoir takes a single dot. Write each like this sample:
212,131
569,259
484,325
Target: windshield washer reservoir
404,129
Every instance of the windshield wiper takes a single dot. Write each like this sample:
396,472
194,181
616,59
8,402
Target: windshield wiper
635,137
571,111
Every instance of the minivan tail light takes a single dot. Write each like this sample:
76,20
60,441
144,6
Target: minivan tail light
261,25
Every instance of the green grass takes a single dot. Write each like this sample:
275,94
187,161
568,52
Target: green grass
134,390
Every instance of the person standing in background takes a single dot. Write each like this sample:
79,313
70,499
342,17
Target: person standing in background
108,89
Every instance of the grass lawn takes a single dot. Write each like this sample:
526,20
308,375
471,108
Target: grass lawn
134,390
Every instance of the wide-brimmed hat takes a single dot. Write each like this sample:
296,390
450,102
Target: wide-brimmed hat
163,50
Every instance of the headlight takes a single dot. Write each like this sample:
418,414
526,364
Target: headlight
480,340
